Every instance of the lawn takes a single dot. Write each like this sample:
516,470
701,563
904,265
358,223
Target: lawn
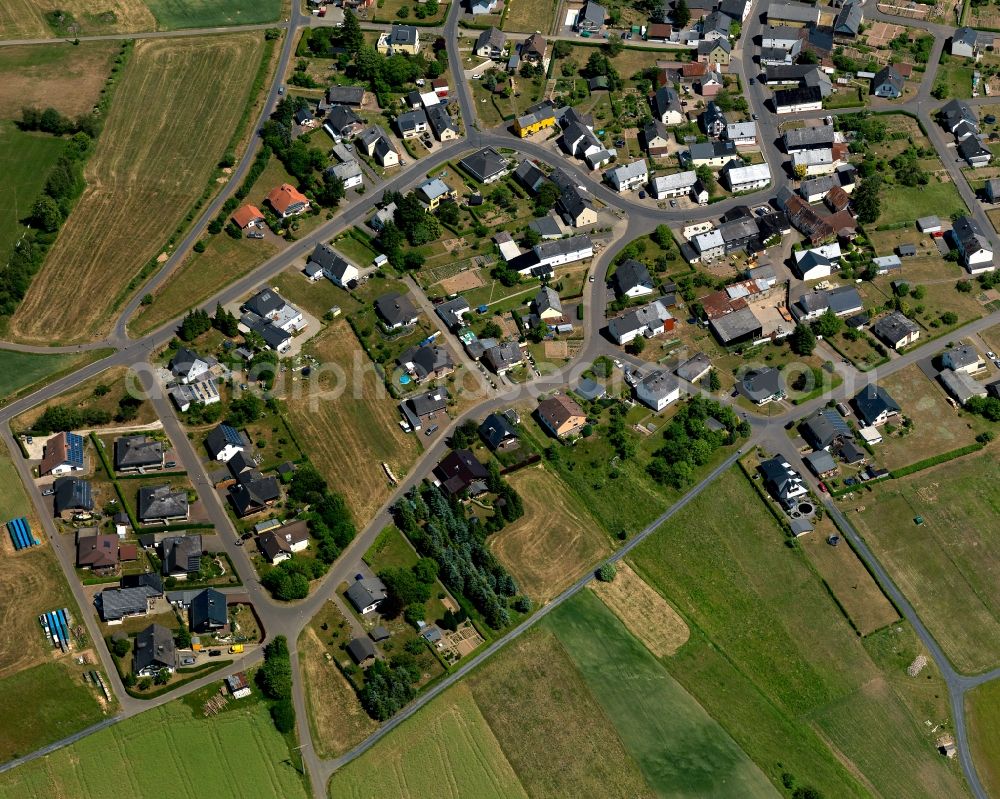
555,541
385,11
171,14
773,659
680,749
170,122
25,162
348,423
907,203
947,566
446,751
201,275
936,426
528,16
25,19
239,750
956,76
982,707
63,76
24,370
337,718
849,581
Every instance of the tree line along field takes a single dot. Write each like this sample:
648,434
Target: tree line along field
47,689
947,566
774,660
172,117
238,752
29,19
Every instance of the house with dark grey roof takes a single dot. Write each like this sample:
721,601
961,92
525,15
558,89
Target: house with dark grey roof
631,279
849,20
694,368
138,452
547,305
712,120
504,357
974,247
970,43
591,17
874,405
361,650
419,408
253,493
208,612
843,301
459,472
154,651
824,429
667,106
896,330
396,310
486,165
658,389
116,604
72,494
529,176
963,358
761,386
366,594
225,441
452,311
782,481
345,95
441,123
181,555
334,266
648,321
888,82
188,366
427,362
342,123
498,433
162,504
491,44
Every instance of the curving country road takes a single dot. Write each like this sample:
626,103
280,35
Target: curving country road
638,218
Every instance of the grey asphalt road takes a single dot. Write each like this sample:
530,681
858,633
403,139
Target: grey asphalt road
640,218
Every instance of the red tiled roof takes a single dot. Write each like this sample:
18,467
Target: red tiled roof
284,196
694,70
128,552
659,30
245,215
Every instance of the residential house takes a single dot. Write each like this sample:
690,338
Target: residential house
533,49
62,454
659,32
412,124
849,20
547,305
678,184
396,310
461,472
716,51
154,652
529,176
181,556
648,321
226,441
888,82
270,306
96,552
714,27
896,330
782,481
963,358
761,386
280,544
399,39
337,269
418,409
304,117
248,217
656,139
498,433
491,44
802,98
821,463
626,177
738,133
348,173
342,123
442,125
709,84
381,217
548,227
286,200
658,389
116,604
72,494
992,189
427,362
874,405
631,279
713,121
591,17
162,504
452,311
711,153
345,95
487,165
694,368
844,301
975,150
792,14
536,118
188,366
208,612
961,386
739,177
576,207
817,262
667,106
970,43
138,452
974,247
368,137
561,415
781,37
504,357
824,429
362,650
253,492
819,137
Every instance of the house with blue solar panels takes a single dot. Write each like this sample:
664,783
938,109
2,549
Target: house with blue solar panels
226,441
63,454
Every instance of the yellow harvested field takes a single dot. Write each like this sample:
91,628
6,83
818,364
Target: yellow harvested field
646,614
348,424
62,76
172,117
554,542
25,19
338,720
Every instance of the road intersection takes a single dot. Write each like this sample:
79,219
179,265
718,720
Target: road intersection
641,218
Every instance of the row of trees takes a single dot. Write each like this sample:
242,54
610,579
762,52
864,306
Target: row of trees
59,418
274,678
688,442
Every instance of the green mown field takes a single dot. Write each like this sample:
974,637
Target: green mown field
983,708
167,750
949,564
19,370
25,161
207,13
680,749
773,659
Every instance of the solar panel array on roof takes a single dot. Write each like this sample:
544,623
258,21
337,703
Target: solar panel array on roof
232,435
74,449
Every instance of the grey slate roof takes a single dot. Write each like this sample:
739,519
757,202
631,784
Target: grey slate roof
872,401
395,308
181,553
208,611
484,164
496,429
362,593
72,493
161,502
154,649
630,275
132,452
